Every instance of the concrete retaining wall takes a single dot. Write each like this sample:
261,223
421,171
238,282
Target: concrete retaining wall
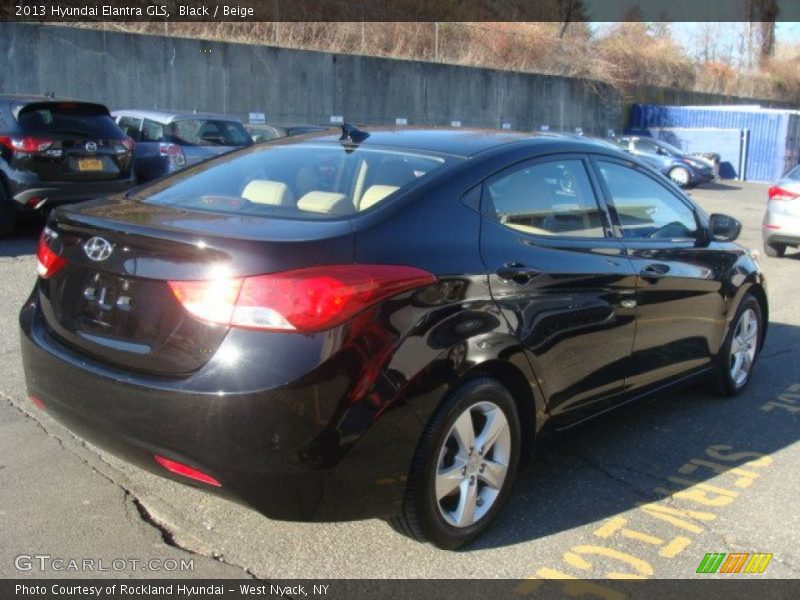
125,70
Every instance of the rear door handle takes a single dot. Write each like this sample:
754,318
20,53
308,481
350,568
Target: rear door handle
517,272
654,271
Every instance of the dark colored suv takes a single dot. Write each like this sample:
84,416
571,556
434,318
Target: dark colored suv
54,151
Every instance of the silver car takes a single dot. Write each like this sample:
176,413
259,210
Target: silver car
782,219
168,141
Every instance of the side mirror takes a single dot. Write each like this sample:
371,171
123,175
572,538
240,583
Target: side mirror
722,228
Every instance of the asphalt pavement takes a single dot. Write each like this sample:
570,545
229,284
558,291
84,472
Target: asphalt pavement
646,491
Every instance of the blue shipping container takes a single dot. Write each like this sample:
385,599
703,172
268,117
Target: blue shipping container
774,135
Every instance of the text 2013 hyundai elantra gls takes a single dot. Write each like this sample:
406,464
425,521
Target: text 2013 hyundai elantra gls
380,323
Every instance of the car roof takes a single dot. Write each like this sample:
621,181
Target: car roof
31,98
292,126
464,142
170,116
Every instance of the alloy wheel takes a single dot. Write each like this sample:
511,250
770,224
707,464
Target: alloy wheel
679,176
473,464
743,347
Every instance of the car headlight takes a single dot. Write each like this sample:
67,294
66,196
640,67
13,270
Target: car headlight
754,254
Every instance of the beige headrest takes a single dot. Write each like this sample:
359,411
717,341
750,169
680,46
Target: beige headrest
325,202
262,191
375,194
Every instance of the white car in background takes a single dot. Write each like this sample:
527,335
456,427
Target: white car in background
781,227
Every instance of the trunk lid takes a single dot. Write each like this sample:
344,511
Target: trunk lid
120,309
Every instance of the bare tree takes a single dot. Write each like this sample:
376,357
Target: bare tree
765,12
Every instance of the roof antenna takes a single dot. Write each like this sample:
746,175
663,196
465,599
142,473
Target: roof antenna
353,134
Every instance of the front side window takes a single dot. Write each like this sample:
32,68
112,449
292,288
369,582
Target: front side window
549,199
294,181
646,146
645,208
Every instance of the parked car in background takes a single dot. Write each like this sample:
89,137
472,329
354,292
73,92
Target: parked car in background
54,151
275,131
683,169
294,325
782,219
168,141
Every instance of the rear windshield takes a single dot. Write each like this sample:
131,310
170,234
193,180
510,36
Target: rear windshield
207,132
70,118
295,181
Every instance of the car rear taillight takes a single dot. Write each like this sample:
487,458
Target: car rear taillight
778,193
47,261
185,470
305,300
173,153
27,144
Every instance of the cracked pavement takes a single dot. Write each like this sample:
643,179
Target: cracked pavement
62,497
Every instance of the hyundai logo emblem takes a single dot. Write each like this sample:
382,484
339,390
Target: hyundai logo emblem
91,147
97,249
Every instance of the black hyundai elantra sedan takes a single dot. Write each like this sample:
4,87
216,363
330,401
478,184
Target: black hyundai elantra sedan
379,324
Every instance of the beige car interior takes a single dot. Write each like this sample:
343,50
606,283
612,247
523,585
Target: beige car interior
370,189
551,210
374,194
274,193
329,203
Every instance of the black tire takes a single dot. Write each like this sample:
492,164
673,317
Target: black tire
422,516
8,217
727,384
775,250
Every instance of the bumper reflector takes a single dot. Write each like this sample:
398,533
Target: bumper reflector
186,471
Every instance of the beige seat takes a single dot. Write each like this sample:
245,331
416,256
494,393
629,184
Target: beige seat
263,191
328,203
374,194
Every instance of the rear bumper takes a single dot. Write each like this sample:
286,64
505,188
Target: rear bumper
301,450
49,194
781,228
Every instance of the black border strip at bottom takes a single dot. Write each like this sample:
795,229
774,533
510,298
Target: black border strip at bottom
732,588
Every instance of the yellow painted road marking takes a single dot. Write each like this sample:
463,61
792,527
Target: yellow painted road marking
575,559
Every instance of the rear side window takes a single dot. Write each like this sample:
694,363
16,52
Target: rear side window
152,131
645,208
551,198
130,126
68,118
794,173
299,181
207,132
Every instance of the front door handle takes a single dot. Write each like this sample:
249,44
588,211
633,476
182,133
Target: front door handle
654,271
517,272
